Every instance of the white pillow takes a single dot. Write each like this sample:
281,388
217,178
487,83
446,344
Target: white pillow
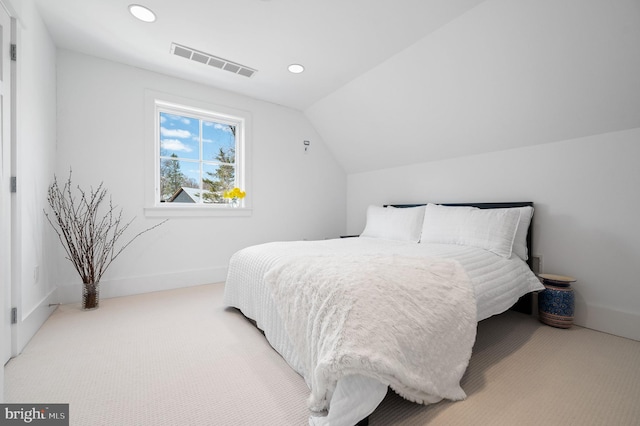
489,229
520,242
403,224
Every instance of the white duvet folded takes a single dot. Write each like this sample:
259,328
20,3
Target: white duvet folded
409,322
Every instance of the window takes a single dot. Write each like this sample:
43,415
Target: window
199,154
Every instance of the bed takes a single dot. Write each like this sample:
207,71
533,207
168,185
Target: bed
396,307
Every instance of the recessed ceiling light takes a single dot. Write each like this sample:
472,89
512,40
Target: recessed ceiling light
142,13
296,68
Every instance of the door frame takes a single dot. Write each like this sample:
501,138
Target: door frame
6,171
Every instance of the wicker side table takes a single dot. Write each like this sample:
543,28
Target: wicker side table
556,303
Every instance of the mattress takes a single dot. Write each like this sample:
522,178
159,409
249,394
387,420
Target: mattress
497,283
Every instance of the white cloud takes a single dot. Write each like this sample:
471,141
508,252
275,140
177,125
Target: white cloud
175,133
217,126
174,145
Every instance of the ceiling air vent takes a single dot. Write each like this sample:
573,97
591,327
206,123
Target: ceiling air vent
214,61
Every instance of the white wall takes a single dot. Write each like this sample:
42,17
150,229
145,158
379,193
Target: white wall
586,211
101,135
534,100
505,74
35,130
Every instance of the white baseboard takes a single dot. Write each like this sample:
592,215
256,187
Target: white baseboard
608,320
596,317
72,293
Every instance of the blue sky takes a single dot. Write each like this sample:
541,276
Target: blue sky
180,135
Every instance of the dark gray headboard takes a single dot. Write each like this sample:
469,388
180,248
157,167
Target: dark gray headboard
525,303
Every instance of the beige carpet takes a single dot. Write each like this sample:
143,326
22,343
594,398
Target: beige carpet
180,358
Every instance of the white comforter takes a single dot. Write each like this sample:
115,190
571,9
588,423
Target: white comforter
378,316
496,282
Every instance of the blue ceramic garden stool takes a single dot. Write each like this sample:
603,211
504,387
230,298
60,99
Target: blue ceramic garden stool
556,302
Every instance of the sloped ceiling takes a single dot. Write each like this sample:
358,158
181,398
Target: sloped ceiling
336,40
390,83
504,75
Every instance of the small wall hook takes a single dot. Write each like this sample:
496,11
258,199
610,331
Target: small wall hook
306,146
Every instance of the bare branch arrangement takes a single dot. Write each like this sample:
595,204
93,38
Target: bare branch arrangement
88,236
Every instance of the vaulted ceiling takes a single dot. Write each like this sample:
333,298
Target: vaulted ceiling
393,82
335,40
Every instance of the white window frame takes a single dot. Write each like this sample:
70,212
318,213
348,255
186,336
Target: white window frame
157,102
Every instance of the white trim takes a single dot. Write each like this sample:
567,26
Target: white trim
72,293
608,319
199,108
197,210
193,113
7,199
8,7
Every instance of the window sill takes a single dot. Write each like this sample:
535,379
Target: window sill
197,211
